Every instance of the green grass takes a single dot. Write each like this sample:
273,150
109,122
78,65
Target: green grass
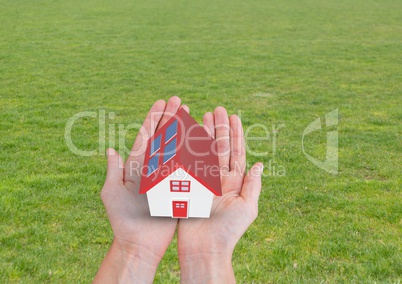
302,59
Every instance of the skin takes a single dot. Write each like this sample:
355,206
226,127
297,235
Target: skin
205,245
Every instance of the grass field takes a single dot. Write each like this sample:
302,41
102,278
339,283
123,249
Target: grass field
274,62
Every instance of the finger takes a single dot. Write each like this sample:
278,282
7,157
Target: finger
237,146
115,166
172,107
208,122
222,127
186,108
252,186
136,157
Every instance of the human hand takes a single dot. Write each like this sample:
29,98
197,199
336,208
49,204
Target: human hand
140,240
206,245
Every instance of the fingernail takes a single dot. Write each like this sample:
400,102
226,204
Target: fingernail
262,168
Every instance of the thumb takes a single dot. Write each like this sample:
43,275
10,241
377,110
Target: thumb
115,167
252,185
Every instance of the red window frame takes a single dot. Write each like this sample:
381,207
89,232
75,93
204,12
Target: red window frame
181,205
180,186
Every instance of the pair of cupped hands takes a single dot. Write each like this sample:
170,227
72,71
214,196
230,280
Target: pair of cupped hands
205,246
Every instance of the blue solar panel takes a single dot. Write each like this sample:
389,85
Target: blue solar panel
155,145
170,150
171,131
153,164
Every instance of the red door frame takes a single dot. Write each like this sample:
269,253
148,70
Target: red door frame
180,208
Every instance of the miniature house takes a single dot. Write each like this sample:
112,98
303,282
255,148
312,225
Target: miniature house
181,169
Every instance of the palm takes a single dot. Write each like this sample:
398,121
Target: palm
234,211
131,223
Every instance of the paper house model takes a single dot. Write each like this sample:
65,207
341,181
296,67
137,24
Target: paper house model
181,169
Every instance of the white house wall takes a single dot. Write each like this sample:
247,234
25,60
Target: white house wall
160,197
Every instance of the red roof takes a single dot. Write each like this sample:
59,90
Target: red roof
193,150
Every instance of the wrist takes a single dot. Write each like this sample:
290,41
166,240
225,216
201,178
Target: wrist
127,263
206,268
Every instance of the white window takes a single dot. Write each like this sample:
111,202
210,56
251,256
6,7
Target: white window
180,185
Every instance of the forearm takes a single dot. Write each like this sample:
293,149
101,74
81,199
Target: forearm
206,268
126,265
